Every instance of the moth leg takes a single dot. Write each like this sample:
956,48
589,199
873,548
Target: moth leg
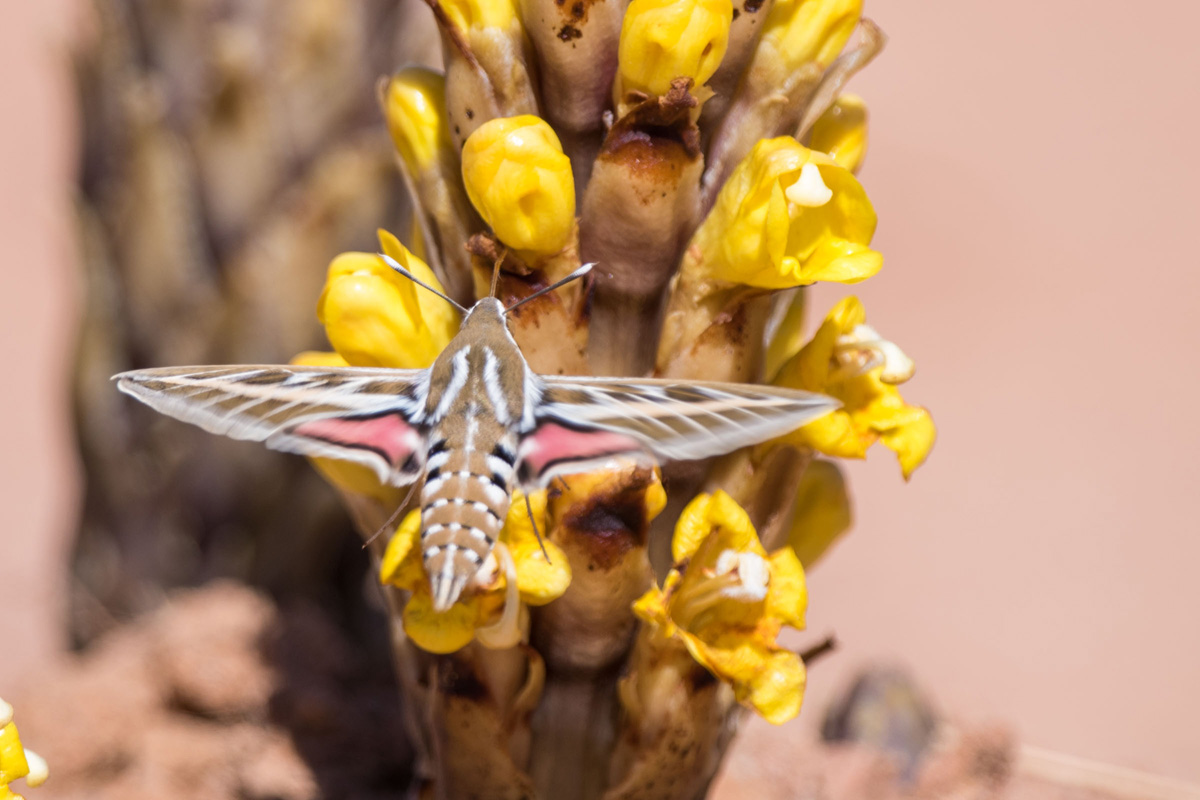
533,522
412,488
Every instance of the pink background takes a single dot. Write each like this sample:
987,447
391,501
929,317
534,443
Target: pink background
1034,165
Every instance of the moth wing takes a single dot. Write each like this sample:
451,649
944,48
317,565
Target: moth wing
671,419
353,414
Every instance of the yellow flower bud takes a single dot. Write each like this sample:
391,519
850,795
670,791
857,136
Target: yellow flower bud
375,317
787,216
803,32
519,180
841,132
666,39
414,104
476,14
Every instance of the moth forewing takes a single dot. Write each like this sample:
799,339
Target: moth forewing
473,425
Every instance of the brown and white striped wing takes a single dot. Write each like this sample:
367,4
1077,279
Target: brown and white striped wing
678,420
354,414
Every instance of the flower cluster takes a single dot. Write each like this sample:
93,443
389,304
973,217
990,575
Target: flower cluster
706,157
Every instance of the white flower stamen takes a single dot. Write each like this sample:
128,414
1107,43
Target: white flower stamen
506,631
809,191
6,713
752,572
39,770
863,349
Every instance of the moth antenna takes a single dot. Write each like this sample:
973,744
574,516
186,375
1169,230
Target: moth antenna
577,274
496,275
536,532
391,262
412,488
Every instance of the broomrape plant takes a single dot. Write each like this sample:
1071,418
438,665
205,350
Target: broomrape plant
601,634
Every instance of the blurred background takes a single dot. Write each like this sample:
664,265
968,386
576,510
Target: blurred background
1034,169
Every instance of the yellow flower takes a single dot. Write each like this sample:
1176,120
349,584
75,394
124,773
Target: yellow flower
517,573
666,39
520,182
822,513
375,317
849,360
414,103
475,14
800,32
726,601
16,762
787,216
841,132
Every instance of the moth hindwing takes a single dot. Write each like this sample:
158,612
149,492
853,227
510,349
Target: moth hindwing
473,425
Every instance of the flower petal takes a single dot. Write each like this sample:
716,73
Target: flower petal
787,595
440,631
822,512
777,692
541,577
401,565
911,441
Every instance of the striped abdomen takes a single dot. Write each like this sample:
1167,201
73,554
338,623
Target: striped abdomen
466,496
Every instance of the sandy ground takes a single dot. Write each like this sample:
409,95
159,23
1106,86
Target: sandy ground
222,695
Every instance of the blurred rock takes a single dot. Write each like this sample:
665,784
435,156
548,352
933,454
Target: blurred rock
219,694
885,710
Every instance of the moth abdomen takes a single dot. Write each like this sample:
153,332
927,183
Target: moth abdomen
463,505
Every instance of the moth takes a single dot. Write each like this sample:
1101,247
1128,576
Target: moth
473,425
